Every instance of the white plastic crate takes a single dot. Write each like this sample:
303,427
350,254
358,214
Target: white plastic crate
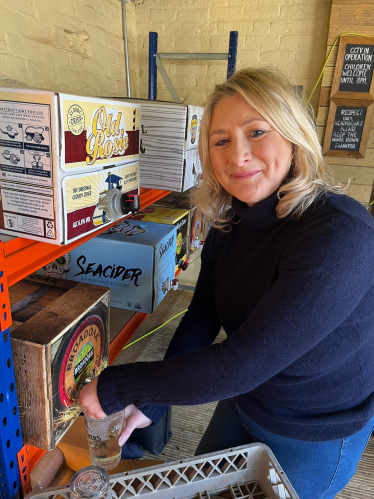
246,472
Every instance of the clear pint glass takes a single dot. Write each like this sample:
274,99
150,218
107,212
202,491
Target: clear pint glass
102,435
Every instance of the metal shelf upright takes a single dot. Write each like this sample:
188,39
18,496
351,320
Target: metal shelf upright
155,62
18,259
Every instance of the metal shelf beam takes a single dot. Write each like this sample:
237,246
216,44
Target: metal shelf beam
233,49
198,56
152,67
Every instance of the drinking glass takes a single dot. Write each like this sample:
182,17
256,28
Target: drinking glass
102,435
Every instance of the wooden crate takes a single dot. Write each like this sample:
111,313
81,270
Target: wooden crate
60,337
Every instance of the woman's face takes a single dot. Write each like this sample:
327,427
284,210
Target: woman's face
249,158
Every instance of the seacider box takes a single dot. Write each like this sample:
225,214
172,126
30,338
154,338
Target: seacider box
135,259
60,337
59,156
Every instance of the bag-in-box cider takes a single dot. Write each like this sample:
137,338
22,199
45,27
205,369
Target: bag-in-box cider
68,164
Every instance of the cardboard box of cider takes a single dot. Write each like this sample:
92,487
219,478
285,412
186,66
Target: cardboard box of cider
135,259
169,157
68,164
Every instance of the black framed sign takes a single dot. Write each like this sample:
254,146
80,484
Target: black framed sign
353,77
348,128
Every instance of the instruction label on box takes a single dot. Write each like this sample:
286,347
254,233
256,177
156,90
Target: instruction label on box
27,213
26,143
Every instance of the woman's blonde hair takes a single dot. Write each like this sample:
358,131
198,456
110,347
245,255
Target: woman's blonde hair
270,93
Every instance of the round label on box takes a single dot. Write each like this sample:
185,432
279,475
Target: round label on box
193,129
76,119
179,243
82,355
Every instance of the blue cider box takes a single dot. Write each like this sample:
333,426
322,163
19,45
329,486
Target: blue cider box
135,259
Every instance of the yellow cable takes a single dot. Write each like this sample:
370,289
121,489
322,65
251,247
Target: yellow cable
157,328
328,57
162,325
194,260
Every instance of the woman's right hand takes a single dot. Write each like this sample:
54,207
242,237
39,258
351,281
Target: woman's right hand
88,401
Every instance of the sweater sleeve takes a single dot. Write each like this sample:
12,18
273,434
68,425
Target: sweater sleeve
323,275
153,412
200,325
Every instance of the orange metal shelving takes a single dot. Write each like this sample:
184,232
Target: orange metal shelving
21,257
24,256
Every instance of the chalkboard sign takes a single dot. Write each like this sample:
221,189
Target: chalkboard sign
348,128
357,69
353,76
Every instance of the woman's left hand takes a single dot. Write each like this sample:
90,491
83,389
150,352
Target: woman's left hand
134,418
88,401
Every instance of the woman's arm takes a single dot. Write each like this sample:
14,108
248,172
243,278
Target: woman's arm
198,328
322,279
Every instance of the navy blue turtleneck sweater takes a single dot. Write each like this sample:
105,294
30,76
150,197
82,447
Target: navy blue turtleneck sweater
296,299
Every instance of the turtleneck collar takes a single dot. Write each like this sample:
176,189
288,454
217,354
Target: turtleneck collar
260,215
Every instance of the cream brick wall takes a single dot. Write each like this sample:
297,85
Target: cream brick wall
73,46
288,34
77,45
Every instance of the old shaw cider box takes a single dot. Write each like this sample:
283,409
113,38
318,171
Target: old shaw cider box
135,259
68,165
169,157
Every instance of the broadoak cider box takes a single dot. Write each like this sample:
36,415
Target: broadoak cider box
60,337
61,157
134,258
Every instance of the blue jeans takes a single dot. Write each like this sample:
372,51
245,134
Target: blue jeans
316,470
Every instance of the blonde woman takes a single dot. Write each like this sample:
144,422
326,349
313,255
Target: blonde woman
288,272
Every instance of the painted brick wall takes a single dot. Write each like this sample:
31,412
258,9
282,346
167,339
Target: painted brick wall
289,34
70,45
77,45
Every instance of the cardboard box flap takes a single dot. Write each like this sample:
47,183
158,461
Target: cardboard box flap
160,215
136,232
